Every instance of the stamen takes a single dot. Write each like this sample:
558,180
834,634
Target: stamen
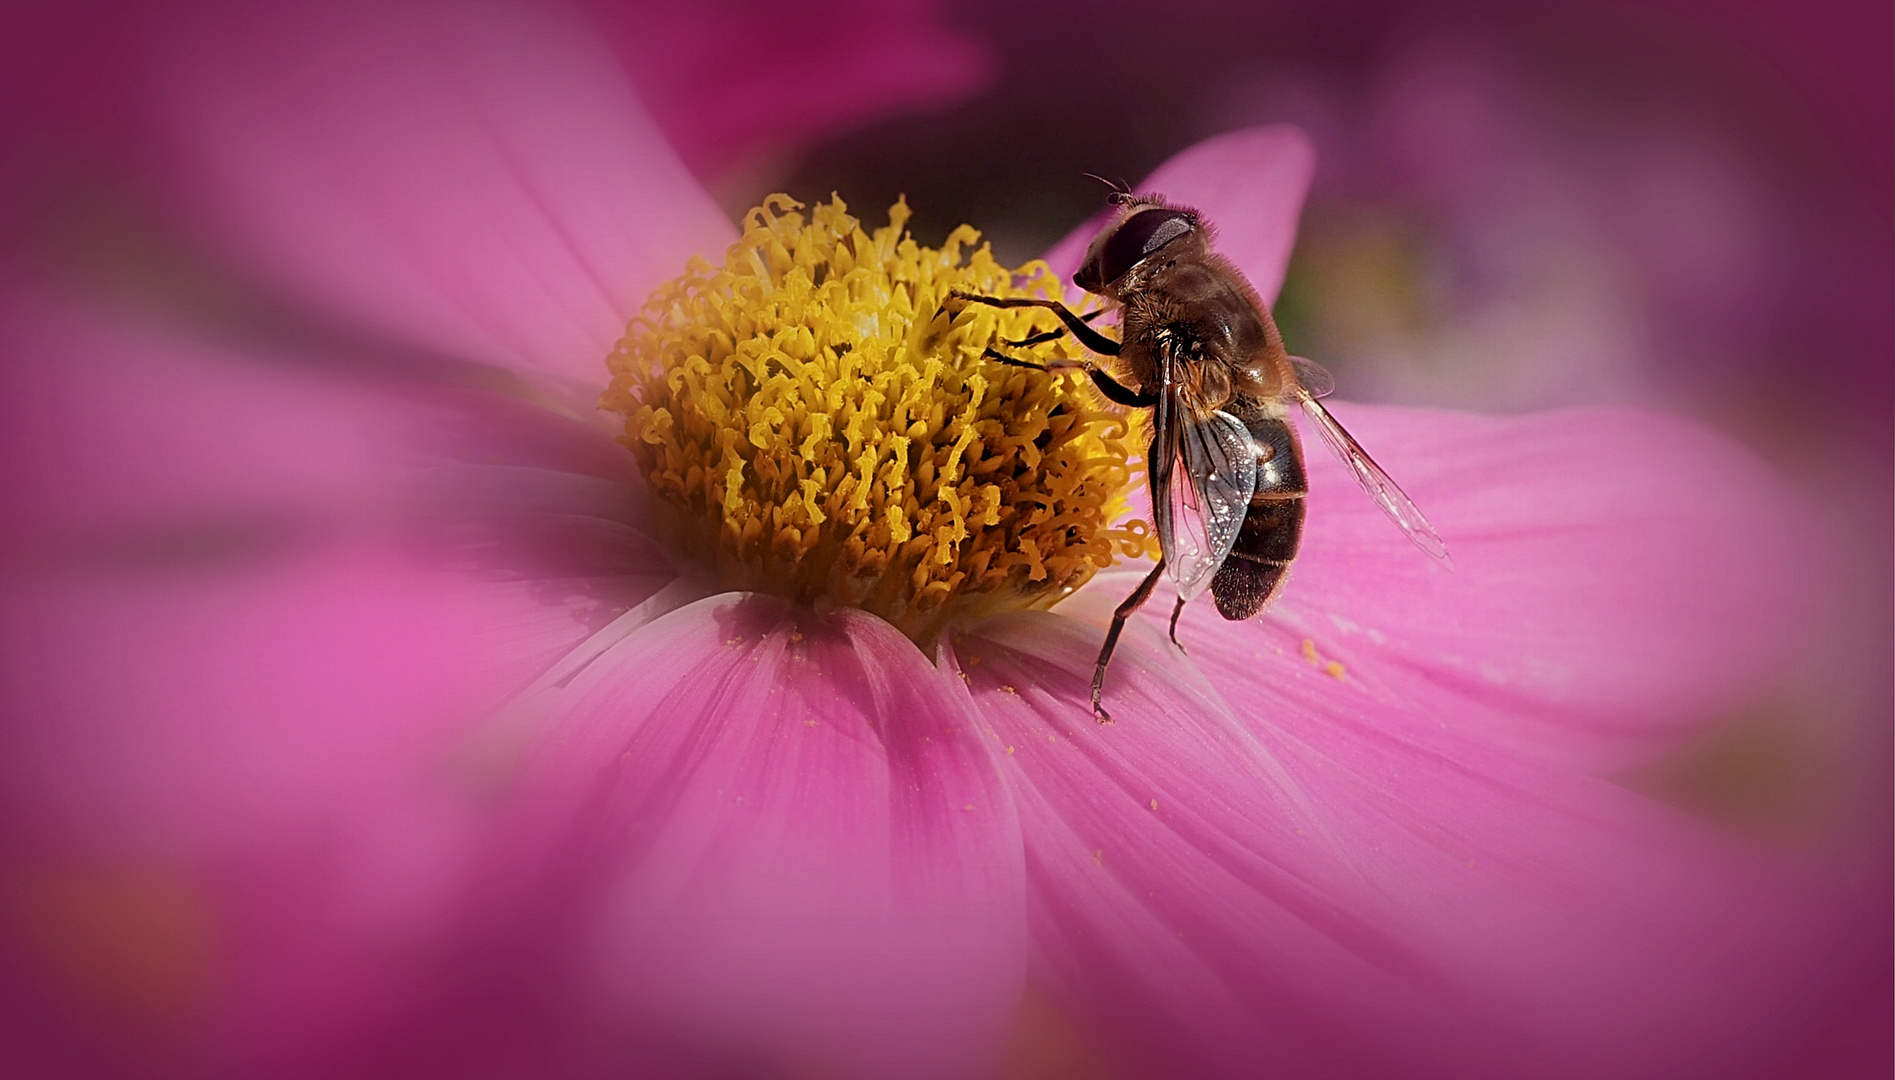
817,421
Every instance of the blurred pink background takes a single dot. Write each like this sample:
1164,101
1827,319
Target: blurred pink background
1517,206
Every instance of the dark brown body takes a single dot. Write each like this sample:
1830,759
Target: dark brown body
1194,342
1190,303
1273,526
1200,350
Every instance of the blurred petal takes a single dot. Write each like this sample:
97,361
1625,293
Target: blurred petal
1248,184
132,455
250,616
477,179
795,852
726,95
246,761
192,708
1619,578
1305,890
104,426
63,66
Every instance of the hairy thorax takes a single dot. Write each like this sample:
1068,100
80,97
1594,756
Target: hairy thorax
1214,331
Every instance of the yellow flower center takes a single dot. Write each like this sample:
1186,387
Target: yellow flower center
817,420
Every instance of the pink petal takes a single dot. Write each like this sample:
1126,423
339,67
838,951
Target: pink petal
245,641
101,426
275,750
185,708
127,452
728,96
1248,184
1619,578
782,844
477,179
1308,890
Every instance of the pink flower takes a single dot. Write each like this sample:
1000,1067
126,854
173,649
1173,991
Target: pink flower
318,763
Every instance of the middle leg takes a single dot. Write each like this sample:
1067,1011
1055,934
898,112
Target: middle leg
1054,334
1114,390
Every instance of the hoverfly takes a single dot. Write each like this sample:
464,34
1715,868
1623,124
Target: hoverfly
1225,467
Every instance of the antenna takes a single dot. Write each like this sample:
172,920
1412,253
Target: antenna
1121,191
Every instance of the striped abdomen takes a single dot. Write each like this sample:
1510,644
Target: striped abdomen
1261,556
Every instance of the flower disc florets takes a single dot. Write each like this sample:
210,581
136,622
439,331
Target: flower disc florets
817,420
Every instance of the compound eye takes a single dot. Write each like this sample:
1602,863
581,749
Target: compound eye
1087,276
1135,240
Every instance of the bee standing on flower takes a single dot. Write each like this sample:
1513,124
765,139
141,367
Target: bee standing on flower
1200,350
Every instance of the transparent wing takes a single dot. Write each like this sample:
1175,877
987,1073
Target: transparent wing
1387,494
1200,512
1317,382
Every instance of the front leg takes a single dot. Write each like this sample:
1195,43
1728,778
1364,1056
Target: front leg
1114,390
1087,336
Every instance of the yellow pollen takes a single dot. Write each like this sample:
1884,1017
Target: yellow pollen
817,421
1332,668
